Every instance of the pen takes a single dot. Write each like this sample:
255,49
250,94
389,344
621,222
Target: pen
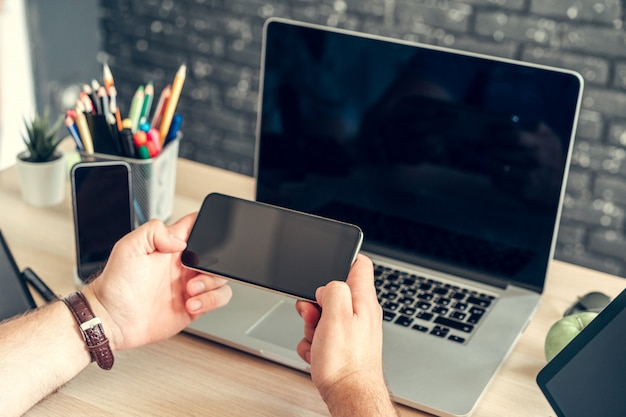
40,286
168,112
135,108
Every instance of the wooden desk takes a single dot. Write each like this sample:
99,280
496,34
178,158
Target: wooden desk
190,376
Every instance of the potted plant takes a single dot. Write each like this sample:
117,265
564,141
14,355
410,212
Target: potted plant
41,167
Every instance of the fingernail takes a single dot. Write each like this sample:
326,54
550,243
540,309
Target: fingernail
195,305
197,287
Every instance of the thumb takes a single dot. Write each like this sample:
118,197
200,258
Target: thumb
162,239
335,299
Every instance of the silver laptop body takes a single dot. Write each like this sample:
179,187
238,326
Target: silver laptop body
419,146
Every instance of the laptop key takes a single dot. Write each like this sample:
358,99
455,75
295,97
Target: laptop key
440,331
458,315
482,302
419,328
404,321
440,310
424,315
474,318
409,311
390,306
423,305
388,315
444,321
425,296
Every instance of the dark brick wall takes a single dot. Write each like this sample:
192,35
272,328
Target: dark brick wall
221,40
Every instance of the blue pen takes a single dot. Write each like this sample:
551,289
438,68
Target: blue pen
177,120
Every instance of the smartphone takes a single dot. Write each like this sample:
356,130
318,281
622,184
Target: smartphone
103,211
271,247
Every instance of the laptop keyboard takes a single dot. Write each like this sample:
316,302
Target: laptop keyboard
429,305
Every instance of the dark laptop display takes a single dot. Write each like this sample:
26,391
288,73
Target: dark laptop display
447,160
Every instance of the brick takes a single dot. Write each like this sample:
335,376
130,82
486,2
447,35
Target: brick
607,242
571,234
594,213
619,77
377,8
579,184
617,133
593,70
606,101
443,16
610,188
589,260
501,26
590,125
606,11
501,4
594,40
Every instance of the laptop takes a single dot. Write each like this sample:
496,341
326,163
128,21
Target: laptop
588,376
453,164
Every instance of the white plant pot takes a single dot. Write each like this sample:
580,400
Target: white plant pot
42,183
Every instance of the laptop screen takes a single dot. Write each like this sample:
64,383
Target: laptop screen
446,159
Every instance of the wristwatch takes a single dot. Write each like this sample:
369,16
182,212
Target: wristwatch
91,329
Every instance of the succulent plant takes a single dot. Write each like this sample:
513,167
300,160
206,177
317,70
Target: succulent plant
42,138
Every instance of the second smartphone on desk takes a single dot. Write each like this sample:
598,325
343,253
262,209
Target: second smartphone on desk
275,248
102,202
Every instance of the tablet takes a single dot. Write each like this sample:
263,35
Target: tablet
15,297
588,377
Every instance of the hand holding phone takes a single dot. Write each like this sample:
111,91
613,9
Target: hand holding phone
271,247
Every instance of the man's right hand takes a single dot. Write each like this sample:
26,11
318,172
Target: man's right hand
343,344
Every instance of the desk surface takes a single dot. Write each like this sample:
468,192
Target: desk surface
186,375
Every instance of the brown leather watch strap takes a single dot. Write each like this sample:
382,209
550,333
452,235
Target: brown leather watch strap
91,329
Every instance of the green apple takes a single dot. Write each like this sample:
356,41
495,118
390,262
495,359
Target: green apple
564,330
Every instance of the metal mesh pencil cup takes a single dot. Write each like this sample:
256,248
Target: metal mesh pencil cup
153,181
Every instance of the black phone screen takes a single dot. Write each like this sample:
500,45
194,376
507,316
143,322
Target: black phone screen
103,211
271,247
15,298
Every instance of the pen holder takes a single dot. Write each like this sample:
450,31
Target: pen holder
153,181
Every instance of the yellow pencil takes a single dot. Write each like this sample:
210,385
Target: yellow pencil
168,112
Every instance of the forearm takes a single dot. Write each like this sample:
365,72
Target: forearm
39,352
357,397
